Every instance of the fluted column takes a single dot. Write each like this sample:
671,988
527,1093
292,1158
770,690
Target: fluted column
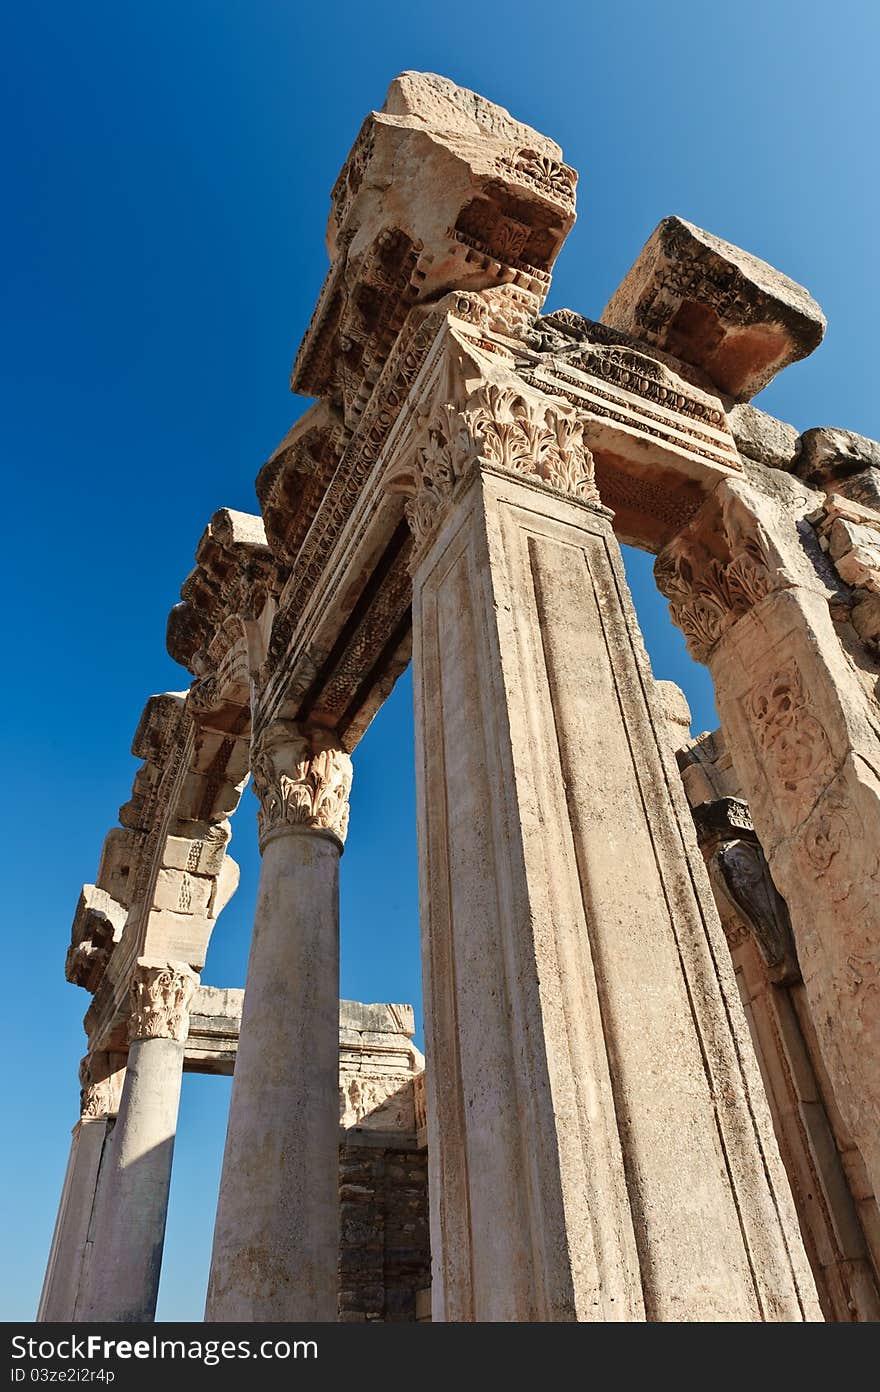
276,1233
127,1255
101,1076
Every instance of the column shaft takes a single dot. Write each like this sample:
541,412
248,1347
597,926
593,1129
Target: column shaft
276,1233
127,1255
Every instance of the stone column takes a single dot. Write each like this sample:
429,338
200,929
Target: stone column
599,1141
66,1271
747,586
130,1232
276,1233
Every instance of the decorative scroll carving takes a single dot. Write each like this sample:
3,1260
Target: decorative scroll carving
794,744
302,778
507,430
160,999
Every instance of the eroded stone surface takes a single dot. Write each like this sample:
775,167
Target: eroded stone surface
840,461
442,190
715,306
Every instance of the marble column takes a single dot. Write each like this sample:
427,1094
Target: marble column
130,1232
276,1234
600,1145
101,1077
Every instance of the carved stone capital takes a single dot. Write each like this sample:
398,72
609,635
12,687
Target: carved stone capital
720,567
160,997
302,778
100,1087
503,428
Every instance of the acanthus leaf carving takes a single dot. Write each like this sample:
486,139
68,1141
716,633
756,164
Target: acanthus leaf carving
302,778
161,993
97,1098
505,429
708,592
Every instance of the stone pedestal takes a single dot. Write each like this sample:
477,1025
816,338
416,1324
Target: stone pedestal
130,1231
67,1267
276,1233
599,1143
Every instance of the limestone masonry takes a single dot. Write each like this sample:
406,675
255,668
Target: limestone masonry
651,963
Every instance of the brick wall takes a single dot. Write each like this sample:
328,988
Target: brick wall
384,1254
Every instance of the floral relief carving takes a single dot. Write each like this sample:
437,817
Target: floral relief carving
558,179
794,744
504,429
160,998
302,778
826,835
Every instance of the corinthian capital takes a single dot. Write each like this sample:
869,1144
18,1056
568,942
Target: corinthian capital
302,778
100,1086
160,997
503,427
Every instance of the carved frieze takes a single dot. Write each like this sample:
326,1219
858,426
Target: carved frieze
302,778
161,993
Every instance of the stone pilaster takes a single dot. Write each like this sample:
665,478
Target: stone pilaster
276,1234
130,1230
581,1014
748,587
755,920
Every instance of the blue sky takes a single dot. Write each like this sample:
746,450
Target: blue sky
167,170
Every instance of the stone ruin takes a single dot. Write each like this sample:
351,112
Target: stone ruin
650,962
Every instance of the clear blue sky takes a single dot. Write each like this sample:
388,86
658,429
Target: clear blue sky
166,170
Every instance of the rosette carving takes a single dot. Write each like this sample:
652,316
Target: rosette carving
161,993
504,429
302,778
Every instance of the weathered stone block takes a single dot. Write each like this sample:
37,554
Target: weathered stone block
183,892
97,927
840,461
762,437
202,853
442,191
715,306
